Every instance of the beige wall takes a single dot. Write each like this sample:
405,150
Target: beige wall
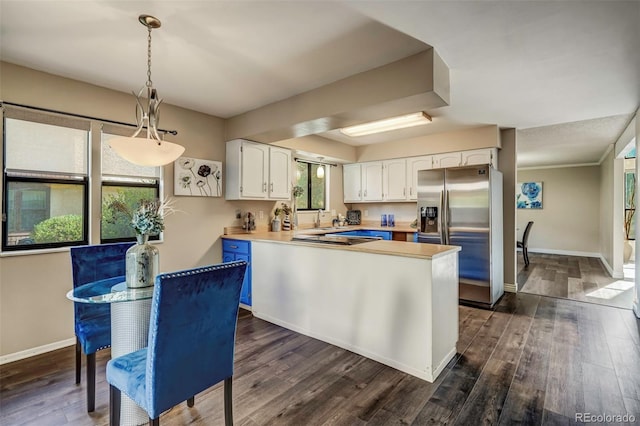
612,213
570,218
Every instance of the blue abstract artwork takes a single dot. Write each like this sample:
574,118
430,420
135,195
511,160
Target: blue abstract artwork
529,195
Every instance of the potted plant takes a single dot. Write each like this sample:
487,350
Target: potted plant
275,223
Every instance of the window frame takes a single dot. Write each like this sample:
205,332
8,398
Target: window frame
127,184
307,190
82,182
91,179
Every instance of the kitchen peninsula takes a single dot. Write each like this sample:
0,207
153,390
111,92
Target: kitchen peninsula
392,301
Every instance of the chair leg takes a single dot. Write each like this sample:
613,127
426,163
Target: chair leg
91,382
228,402
154,422
525,253
78,360
114,406
191,401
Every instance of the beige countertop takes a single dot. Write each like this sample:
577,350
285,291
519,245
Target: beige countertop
394,248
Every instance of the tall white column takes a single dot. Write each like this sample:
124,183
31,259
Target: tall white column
636,298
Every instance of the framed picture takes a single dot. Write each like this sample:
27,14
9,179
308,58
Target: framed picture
197,178
529,195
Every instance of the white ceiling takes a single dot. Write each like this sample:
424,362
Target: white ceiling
566,74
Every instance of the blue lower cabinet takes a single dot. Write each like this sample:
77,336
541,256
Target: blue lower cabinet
415,237
239,250
385,235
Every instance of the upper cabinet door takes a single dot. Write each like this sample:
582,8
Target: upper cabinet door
394,180
352,183
413,165
255,166
450,159
480,156
279,173
372,181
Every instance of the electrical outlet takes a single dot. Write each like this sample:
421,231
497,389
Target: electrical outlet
238,214
261,214
366,213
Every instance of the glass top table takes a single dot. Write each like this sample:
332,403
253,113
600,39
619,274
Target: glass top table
110,290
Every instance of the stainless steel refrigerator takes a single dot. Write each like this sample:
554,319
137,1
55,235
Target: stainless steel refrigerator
462,206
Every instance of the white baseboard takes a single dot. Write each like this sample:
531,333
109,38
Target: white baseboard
16,356
610,269
578,253
511,288
565,252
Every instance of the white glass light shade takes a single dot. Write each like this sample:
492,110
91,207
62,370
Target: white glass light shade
393,123
320,172
146,152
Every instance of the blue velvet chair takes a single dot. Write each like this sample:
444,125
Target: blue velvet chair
93,321
191,342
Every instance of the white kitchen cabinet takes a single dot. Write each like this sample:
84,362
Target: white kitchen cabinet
372,181
279,173
413,165
394,180
480,156
352,182
362,182
257,171
449,159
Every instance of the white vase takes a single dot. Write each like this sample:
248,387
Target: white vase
275,225
142,263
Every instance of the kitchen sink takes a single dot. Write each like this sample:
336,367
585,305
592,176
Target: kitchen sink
330,228
341,240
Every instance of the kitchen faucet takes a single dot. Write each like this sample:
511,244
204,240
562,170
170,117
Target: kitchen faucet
317,224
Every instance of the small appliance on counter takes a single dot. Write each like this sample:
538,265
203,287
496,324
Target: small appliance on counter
353,217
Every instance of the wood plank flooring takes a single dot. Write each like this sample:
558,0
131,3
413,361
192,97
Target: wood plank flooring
534,360
572,277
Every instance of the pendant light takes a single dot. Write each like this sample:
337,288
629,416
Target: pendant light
320,170
151,151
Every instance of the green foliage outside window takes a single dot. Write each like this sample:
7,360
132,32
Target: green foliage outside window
313,197
58,229
119,226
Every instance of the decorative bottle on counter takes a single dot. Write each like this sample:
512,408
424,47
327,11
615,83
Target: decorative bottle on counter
286,223
142,263
275,224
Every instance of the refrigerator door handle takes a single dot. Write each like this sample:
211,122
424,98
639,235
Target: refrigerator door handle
441,220
446,218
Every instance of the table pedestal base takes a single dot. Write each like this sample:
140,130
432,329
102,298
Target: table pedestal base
131,320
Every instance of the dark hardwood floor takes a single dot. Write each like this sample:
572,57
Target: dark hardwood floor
533,360
573,277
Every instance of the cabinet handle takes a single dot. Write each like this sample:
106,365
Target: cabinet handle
271,187
233,246
359,194
411,190
264,187
365,192
404,192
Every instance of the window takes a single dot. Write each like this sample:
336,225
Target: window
46,190
314,185
128,182
45,181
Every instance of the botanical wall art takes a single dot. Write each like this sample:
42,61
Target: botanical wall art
529,195
199,178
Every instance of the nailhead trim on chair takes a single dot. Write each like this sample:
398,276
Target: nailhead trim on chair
203,269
